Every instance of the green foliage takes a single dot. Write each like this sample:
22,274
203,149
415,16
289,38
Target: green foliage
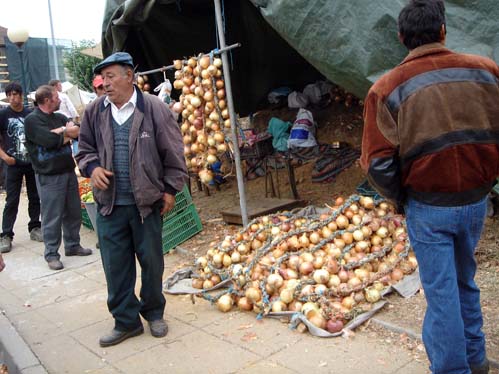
80,66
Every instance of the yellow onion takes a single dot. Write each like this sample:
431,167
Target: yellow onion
224,303
244,304
372,295
321,276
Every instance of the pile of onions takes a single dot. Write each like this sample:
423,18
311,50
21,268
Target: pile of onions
203,107
143,84
328,267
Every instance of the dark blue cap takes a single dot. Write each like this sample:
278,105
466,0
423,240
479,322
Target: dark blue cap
121,58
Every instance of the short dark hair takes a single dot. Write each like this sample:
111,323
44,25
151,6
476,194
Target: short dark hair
420,22
13,87
54,82
43,92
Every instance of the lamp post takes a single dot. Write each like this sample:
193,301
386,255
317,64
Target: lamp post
19,37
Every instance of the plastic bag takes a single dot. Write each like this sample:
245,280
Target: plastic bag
303,130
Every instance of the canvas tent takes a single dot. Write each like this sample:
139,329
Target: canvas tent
289,42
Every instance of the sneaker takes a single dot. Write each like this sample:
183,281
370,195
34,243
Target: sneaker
55,265
80,251
36,234
5,244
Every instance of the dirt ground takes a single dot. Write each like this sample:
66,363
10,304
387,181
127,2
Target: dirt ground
338,123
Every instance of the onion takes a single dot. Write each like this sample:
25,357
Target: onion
245,304
212,70
396,274
253,294
321,276
316,318
334,281
348,302
196,102
205,176
342,221
334,326
279,306
207,284
372,294
177,107
197,283
227,261
204,62
224,303
221,93
306,268
275,281
211,159
286,295
217,62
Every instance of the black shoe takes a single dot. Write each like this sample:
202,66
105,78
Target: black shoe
80,251
55,265
158,327
481,369
116,336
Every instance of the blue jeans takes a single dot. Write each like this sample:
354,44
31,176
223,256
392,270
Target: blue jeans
444,241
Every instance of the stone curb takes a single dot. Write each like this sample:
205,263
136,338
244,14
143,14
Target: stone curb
19,357
413,335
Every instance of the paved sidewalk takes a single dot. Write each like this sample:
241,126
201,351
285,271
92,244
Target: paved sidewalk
60,315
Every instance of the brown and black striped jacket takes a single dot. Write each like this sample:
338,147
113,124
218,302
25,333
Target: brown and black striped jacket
431,128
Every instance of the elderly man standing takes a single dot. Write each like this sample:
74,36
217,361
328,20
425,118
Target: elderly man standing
47,138
131,148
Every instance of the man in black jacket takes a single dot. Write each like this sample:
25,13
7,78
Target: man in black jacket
14,153
48,136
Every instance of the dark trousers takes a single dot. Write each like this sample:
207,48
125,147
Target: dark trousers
61,209
123,236
13,186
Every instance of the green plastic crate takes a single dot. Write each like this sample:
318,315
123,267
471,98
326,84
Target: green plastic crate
180,227
182,200
85,219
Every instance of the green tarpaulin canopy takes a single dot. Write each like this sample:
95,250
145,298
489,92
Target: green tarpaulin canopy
290,42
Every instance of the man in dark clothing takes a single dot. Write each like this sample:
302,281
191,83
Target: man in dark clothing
18,165
48,137
131,147
431,144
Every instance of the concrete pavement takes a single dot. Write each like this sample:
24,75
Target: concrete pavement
60,316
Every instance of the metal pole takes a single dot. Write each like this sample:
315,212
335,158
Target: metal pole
54,48
165,68
23,78
232,113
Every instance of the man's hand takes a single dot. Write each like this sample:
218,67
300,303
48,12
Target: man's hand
10,160
168,203
100,178
2,264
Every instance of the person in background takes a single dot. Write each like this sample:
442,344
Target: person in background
48,135
15,156
98,85
67,108
431,144
2,263
131,148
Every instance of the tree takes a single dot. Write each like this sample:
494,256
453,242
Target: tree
80,66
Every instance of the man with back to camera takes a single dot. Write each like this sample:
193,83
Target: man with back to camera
48,137
131,148
15,155
430,143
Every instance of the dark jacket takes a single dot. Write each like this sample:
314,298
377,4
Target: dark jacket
47,151
157,162
431,128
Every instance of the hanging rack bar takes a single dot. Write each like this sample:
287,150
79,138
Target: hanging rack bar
169,67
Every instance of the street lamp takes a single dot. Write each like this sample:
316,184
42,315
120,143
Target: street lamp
19,37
